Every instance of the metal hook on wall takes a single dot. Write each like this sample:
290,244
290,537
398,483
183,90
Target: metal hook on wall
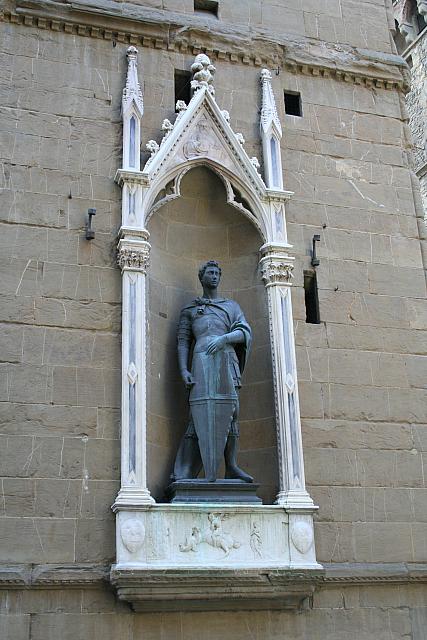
90,232
314,259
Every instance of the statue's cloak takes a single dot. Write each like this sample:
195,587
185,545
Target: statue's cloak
216,377
234,318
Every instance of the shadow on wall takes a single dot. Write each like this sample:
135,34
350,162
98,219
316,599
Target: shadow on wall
184,233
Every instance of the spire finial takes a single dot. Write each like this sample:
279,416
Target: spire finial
203,73
268,110
132,91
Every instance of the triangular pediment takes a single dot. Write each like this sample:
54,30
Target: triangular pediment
202,132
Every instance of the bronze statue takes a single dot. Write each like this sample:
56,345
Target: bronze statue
220,336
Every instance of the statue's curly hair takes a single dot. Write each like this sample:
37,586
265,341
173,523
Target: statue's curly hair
204,266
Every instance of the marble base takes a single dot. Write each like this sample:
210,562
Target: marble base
173,553
215,590
222,491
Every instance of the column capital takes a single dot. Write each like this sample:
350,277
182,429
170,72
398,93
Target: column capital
276,265
133,253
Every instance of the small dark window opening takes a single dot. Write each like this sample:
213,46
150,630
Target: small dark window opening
293,103
182,86
312,313
207,6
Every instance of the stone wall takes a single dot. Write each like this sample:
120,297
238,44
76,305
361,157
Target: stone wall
392,613
416,102
361,371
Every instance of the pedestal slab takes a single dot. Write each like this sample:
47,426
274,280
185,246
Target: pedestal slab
222,491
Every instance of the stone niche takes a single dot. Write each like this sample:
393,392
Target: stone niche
200,225
199,196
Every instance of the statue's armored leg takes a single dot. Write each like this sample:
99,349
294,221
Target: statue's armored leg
188,462
232,470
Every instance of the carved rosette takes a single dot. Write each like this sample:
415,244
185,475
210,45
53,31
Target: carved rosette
276,270
133,257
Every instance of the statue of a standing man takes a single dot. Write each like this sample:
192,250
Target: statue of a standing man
221,337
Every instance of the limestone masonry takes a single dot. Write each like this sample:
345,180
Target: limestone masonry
355,169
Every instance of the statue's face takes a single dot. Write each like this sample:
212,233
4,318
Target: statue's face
211,277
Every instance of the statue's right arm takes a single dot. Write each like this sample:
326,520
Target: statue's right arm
185,338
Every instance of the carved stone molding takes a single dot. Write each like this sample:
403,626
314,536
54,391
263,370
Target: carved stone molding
18,576
213,590
158,29
276,271
52,575
133,255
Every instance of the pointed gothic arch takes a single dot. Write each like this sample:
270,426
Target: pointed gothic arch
236,191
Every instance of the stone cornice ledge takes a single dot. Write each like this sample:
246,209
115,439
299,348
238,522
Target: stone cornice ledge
209,589
77,575
187,33
374,573
18,576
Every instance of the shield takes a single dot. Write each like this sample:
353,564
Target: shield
212,403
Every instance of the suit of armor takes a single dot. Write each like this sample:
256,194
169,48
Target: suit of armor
217,331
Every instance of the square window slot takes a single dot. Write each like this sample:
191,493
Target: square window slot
293,106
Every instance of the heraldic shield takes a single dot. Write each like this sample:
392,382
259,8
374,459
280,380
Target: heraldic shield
213,403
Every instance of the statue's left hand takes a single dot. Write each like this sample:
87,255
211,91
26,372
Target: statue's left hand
216,344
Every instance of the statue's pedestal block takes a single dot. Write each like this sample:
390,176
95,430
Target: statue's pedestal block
214,556
221,491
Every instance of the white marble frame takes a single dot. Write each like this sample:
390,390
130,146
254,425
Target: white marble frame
183,147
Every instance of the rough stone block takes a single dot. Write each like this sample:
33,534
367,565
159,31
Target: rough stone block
331,467
75,314
45,419
311,398
100,252
416,368
36,209
358,403
407,252
30,457
15,626
102,459
37,540
344,275
408,405
396,281
64,385
18,497
95,540
11,338
57,498
27,383
97,498
68,626
365,309
347,434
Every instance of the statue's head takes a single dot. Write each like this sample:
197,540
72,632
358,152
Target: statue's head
210,274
